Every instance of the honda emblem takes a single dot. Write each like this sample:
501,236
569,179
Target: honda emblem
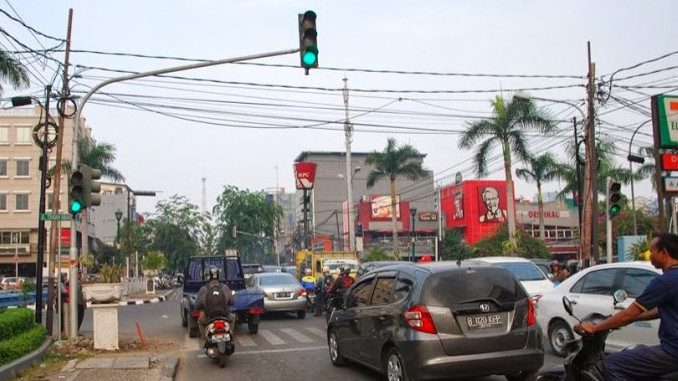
485,307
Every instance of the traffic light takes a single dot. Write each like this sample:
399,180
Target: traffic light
91,188
75,194
613,198
308,40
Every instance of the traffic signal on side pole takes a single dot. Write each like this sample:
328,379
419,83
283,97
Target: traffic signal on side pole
308,40
76,201
613,198
91,187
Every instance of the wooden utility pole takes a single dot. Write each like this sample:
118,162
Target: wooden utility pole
590,223
55,235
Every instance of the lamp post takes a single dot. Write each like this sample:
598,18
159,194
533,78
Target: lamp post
413,213
349,211
118,216
634,159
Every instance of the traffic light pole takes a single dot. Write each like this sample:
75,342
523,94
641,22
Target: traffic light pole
73,273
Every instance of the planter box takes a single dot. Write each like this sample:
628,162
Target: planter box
101,293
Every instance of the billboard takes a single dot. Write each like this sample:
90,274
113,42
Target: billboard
492,204
304,174
382,208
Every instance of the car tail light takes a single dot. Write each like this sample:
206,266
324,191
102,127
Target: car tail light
302,292
195,314
531,315
256,311
219,325
419,319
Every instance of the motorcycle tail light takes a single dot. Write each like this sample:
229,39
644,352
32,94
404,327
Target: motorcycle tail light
219,324
195,314
419,319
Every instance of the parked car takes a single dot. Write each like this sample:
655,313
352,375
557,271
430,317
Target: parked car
282,292
544,265
251,268
529,275
591,290
434,320
366,267
11,283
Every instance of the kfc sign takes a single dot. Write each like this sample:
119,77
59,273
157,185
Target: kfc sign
304,173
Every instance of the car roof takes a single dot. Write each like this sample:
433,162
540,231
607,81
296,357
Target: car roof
432,267
639,264
272,274
500,259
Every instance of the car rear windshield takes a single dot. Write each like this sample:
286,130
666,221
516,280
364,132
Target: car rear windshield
458,286
523,270
277,281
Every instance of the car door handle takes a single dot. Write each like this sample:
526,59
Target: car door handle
573,301
382,318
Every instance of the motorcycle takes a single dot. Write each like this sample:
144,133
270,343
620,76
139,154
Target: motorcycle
219,340
585,361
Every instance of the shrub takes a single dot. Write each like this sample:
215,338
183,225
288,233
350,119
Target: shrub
375,253
14,321
21,344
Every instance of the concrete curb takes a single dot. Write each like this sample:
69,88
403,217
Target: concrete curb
169,369
16,366
160,298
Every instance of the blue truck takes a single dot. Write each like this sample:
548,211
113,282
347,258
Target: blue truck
248,304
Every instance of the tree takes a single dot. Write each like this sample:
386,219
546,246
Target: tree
391,163
647,169
454,247
506,128
541,169
375,254
153,261
252,216
12,71
526,246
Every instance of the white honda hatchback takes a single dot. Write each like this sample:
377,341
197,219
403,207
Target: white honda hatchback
530,276
591,290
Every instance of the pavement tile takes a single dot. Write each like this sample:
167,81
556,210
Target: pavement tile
96,362
137,362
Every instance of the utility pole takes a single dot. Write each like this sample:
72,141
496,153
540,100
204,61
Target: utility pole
348,130
55,234
42,232
577,168
590,223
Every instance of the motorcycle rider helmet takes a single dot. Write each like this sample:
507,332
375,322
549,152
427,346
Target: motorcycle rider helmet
344,270
212,273
307,271
326,270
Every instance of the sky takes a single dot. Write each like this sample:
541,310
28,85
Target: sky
416,71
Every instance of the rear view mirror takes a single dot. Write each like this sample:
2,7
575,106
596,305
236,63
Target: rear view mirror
567,304
620,296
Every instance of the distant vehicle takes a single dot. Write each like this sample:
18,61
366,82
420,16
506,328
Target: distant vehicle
592,290
544,265
11,283
251,268
366,267
282,292
530,276
290,270
429,321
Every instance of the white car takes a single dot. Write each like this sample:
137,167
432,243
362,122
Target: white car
591,290
530,276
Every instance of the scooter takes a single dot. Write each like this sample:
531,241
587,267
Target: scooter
219,340
585,363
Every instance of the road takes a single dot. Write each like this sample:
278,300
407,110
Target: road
286,348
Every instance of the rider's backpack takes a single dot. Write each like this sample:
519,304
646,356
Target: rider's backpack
215,302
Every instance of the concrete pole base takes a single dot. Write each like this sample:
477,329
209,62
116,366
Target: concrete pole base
105,326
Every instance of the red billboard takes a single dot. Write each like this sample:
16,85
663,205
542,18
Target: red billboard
304,174
65,236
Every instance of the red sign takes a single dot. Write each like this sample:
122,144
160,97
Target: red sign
670,162
65,236
304,173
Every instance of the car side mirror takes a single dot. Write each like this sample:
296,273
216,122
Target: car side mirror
620,296
550,276
567,304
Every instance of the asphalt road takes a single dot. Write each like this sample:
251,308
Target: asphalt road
286,348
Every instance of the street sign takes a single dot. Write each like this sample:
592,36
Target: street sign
669,162
667,116
54,217
671,184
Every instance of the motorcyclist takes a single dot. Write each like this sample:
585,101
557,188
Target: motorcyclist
342,283
321,285
212,311
659,300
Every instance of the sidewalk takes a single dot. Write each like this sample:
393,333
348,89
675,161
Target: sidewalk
156,362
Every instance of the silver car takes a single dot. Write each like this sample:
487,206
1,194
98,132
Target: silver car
282,292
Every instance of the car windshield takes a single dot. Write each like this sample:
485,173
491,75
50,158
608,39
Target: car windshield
523,270
277,281
447,289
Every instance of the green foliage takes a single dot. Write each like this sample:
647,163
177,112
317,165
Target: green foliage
26,287
23,343
376,254
153,260
454,246
638,248
251,214
526,245
14,321
12,71
87,260
110,273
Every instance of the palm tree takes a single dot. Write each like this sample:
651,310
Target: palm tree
647,169
506,128
12,71
97,156
391,163
541,169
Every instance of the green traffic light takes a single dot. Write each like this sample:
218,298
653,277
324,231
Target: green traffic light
310,57
75,207
614,209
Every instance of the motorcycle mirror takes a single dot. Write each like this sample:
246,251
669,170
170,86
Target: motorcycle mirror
567,304
620,295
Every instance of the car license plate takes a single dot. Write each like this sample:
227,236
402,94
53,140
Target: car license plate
484,321
283,295
224,337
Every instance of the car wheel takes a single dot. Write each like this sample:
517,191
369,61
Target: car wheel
335,352
184,321
395,370
560,335
527,375
301,314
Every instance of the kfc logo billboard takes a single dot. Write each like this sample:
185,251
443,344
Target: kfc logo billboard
304,174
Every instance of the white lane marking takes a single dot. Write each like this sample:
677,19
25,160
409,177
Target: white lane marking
317,332
296,335
271,351
245,340
271,337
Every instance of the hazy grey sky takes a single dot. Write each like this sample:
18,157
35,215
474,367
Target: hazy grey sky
171,132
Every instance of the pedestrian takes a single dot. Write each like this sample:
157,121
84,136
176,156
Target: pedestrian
560,273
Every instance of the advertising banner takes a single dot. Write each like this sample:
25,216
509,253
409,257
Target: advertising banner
304,174
667,115
492,203
382,208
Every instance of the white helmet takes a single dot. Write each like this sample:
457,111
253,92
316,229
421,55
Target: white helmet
307,271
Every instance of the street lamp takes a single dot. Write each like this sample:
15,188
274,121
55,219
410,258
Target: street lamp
118,216
634,159
413,213
351,218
